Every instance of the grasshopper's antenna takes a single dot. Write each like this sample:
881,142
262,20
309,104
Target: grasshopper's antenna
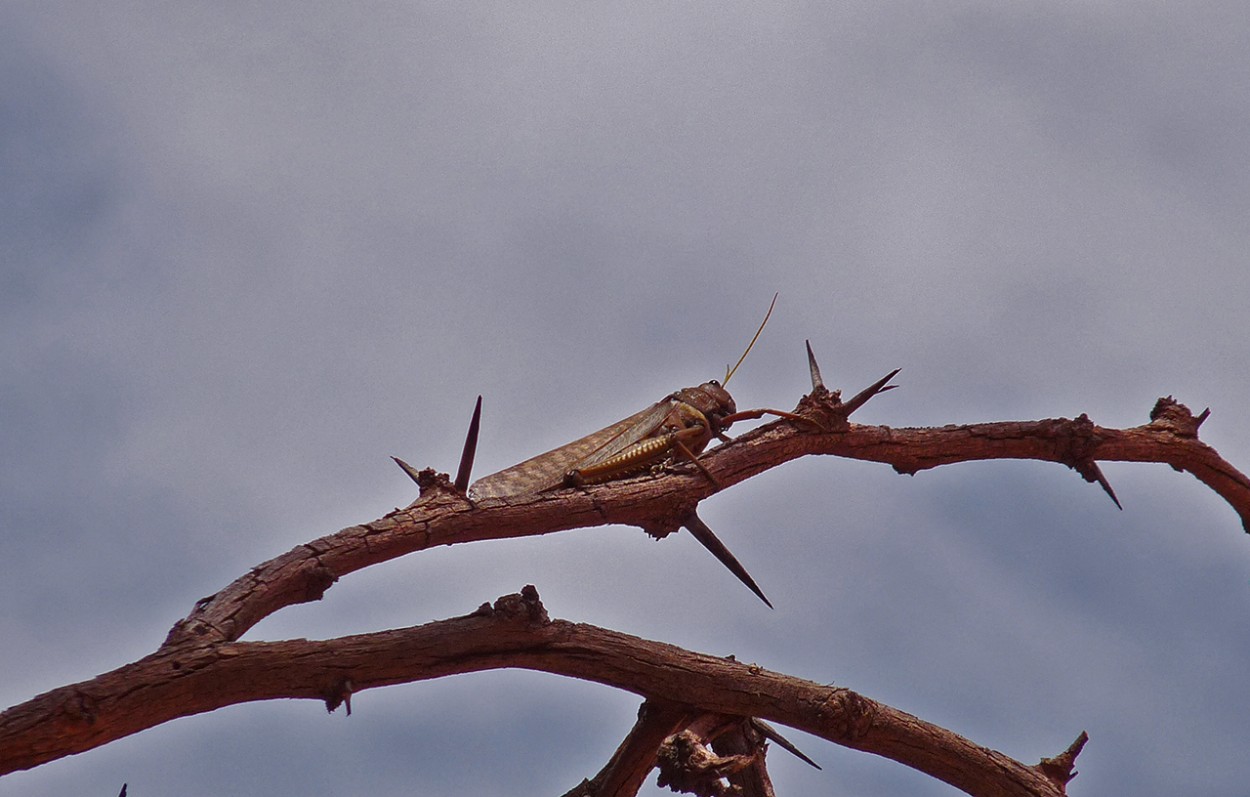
729,372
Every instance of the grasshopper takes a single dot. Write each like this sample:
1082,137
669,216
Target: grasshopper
677,427
680,425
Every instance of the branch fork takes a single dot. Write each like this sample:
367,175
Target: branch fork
202,665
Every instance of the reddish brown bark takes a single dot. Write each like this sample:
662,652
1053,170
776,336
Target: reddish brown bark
202,666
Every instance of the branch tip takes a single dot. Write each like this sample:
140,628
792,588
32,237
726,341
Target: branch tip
1060,769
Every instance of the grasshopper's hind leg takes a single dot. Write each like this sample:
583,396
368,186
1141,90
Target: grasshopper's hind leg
690,455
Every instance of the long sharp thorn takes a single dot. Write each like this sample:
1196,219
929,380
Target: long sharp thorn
1092,473
406,468
876,387
707,538
470,449
1102,480
772,735
817,382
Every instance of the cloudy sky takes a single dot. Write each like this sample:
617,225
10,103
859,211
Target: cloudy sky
249,250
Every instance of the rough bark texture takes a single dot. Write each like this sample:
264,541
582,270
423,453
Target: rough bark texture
202,666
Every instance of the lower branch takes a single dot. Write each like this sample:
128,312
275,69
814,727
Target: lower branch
514,632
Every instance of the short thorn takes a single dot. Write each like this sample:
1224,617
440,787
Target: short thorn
406,468
862,397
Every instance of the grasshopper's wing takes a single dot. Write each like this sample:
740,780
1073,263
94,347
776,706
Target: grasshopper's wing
547,470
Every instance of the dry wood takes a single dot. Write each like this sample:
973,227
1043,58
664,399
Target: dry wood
202,666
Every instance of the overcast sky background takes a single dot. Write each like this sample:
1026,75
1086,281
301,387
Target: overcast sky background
249,250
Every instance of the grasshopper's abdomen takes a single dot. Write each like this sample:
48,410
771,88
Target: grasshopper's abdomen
635,459
687,430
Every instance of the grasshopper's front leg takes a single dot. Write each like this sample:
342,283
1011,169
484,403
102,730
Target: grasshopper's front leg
751,415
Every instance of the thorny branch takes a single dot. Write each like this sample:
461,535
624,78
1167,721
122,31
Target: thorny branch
515,631
202,666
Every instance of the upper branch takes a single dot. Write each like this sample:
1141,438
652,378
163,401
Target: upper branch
443,516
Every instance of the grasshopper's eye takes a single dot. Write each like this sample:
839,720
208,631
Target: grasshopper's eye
714,382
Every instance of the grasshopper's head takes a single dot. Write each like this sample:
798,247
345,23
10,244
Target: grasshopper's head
712,400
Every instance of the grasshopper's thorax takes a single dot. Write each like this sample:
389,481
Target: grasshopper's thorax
712,400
